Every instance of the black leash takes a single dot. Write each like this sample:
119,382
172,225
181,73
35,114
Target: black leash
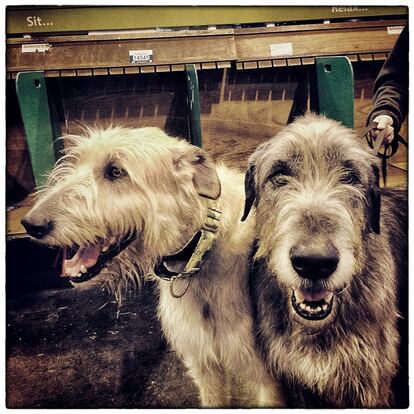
389,149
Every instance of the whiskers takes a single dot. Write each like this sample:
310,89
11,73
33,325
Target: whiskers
341,291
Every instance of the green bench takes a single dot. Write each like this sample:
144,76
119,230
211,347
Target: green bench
332,95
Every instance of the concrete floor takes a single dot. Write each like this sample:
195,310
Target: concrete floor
75,349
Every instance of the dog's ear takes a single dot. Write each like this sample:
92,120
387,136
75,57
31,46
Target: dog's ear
205,178
374,201
250,191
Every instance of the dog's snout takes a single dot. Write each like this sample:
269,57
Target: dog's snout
314,263
37,227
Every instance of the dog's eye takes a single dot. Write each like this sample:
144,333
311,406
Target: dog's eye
350,177
114,173
279,178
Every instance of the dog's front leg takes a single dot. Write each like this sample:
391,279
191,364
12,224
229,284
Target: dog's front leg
213,385
266,389
270,395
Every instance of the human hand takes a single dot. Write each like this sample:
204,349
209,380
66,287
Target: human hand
384,122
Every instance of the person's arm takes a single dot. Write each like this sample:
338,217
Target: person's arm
391,90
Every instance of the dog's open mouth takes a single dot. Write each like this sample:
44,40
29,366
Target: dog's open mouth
312,305
85,262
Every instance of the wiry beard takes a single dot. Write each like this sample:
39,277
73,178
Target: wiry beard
125,274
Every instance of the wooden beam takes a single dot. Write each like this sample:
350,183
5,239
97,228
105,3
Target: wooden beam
308,61
380,56
147,69
294,62
105,54
116,71
208,65
313,42
100,72
265,64
52,73
250,65
223,65
67,73
365,57
163,68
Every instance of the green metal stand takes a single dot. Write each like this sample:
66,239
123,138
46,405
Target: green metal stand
335,89
40,128
193,99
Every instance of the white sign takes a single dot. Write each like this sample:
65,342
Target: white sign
36,47
281,49
140,56
395,30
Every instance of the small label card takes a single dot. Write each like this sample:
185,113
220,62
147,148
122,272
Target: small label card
140,56
36,47
395,30
281,49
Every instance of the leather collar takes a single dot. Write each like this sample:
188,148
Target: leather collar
189,259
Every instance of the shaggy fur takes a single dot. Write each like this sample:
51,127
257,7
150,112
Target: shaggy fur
315,189
161,196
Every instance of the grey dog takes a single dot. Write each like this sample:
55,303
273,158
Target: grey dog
330,254
128,205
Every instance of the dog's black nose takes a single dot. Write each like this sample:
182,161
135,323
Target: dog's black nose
314,263
37,228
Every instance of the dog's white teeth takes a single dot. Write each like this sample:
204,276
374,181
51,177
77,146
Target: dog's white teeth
105,248
83,269
311,309
79,274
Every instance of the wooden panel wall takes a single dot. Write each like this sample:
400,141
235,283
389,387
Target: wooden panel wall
239,109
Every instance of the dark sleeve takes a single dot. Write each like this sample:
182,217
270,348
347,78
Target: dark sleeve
391,85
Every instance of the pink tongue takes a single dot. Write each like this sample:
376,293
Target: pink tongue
314,296
86,256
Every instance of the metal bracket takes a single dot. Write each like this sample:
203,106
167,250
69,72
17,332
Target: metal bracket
335,89
40,125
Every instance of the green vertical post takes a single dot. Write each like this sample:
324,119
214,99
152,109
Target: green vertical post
193,99
335,89
39,127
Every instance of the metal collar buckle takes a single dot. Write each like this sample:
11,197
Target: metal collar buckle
181,294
